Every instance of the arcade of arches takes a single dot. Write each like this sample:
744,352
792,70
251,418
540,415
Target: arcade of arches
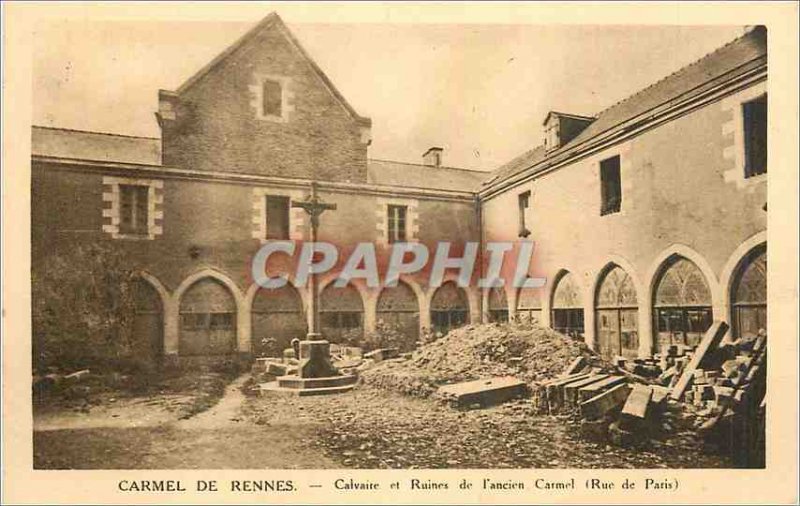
681,308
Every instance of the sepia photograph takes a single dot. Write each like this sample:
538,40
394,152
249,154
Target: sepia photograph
268,243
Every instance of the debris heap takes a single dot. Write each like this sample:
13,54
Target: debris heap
524,351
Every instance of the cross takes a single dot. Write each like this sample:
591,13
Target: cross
314,207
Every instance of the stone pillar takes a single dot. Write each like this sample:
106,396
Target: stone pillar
424,313
646,330
371,311
475,306
243,327
485,304
171,327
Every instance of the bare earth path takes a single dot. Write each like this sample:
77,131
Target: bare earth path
366,428
133,435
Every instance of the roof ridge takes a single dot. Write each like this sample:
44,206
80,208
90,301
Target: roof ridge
681,69
111,134
270,19
429,166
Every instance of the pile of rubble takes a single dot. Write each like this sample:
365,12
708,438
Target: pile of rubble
526,352
718,389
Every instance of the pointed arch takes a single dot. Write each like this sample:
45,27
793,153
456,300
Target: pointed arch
683,298
616,308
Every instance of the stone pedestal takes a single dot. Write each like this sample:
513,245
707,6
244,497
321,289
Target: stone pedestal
315,360
315,375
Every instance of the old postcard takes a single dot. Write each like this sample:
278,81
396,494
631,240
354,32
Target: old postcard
400,253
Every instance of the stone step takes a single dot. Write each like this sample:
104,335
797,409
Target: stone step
325,382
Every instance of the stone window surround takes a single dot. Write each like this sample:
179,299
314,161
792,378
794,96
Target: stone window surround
733,150
296,215
412,219
155,201
257,102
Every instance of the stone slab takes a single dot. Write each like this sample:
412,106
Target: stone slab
602,403
590,391
485,392
571,389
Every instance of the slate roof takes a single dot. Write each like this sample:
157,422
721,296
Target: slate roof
94,146
411,175
729,59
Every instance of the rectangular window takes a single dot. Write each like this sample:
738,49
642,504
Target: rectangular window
755,136
610,186
277,217
397,223
272,98
524,202
133,208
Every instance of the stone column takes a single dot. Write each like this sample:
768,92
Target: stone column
171,326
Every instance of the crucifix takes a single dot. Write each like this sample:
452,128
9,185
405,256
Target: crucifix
314,207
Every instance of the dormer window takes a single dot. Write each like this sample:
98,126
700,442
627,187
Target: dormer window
551,135
272,98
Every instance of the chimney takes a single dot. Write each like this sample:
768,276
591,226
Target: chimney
432,157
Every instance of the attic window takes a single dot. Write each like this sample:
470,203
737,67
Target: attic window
272,98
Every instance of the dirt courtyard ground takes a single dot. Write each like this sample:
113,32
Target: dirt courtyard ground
366,428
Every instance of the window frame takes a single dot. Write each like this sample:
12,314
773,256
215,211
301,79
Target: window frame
139,208
285,211
397,223
523,204
608,203
264,98
750,129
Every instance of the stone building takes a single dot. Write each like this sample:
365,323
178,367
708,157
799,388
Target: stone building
649,218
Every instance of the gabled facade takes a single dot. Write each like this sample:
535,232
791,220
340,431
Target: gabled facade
264,107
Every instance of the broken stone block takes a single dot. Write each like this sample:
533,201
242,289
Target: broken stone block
659,399
604,402
619,361
705,392
575,366
571,389
730,368
587,392
486,392
688,397
710,341
637,403
382,354
723,393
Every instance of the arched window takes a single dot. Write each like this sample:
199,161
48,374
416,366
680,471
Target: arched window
208,319
449,308
498,305
749,295
617,315
682,304
567,310
341,314
278,317
529,305
398,308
